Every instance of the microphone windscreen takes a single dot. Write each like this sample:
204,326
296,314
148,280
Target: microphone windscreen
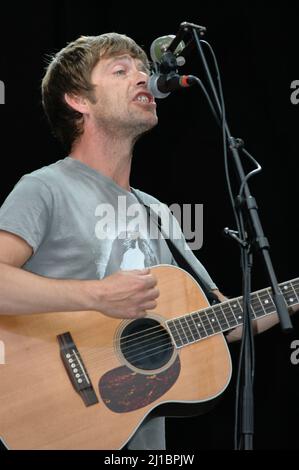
160,45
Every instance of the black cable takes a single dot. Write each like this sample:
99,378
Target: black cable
252,173
199,82
224,123
246,263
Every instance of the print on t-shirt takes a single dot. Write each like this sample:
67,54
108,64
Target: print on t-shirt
129,250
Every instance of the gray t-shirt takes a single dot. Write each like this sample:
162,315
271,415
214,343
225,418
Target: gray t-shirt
82,225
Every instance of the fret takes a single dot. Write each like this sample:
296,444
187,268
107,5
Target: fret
221,317
240,316
255,307
193,327
199,325
230,317
233,312
252,311
289,294
227,315
238,310
295,293
181,339
253,314
175,334
214,320
267,301
180,328
205,321
187,330
295,285
258,306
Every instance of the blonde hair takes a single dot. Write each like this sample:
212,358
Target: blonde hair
69,71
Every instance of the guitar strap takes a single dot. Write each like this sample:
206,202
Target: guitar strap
177,255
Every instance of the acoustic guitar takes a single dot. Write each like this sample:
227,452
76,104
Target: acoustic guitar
83,380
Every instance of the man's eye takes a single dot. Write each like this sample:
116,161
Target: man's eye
146,70
119,72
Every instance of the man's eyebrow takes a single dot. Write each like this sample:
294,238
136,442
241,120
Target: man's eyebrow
129,58
115,58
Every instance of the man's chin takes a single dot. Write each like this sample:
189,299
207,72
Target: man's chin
144,128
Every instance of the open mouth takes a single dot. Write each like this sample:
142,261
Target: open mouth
144,98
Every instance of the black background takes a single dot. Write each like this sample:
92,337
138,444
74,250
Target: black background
181,160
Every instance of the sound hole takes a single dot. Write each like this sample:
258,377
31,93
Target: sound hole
146,344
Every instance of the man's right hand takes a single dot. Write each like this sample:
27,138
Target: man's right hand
126,294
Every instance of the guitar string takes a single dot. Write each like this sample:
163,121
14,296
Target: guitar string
156,350
229,316
94,364
132,350
260,295
145,354
140,356
166,334
111,351
139,341
169,346
95,367
153,351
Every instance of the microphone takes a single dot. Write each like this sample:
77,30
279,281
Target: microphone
164,52
161,85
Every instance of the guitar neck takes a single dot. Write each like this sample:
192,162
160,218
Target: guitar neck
228,315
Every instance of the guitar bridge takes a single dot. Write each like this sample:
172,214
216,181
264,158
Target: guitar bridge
76,370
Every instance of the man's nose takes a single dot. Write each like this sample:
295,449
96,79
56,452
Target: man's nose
141,78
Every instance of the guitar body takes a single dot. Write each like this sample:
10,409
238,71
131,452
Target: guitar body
39,405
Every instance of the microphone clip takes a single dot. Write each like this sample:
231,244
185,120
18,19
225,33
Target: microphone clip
168,63
233,234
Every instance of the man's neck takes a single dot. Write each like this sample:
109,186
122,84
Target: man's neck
112,157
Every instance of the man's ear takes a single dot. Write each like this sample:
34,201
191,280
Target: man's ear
77,102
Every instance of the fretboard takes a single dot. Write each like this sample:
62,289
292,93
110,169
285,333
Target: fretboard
227,315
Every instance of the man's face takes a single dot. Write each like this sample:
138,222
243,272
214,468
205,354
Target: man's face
122,101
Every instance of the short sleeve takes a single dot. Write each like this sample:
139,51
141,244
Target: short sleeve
26,212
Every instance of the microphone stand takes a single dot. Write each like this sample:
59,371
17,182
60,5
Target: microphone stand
247,208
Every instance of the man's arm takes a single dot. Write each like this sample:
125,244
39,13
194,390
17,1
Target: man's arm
125,294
